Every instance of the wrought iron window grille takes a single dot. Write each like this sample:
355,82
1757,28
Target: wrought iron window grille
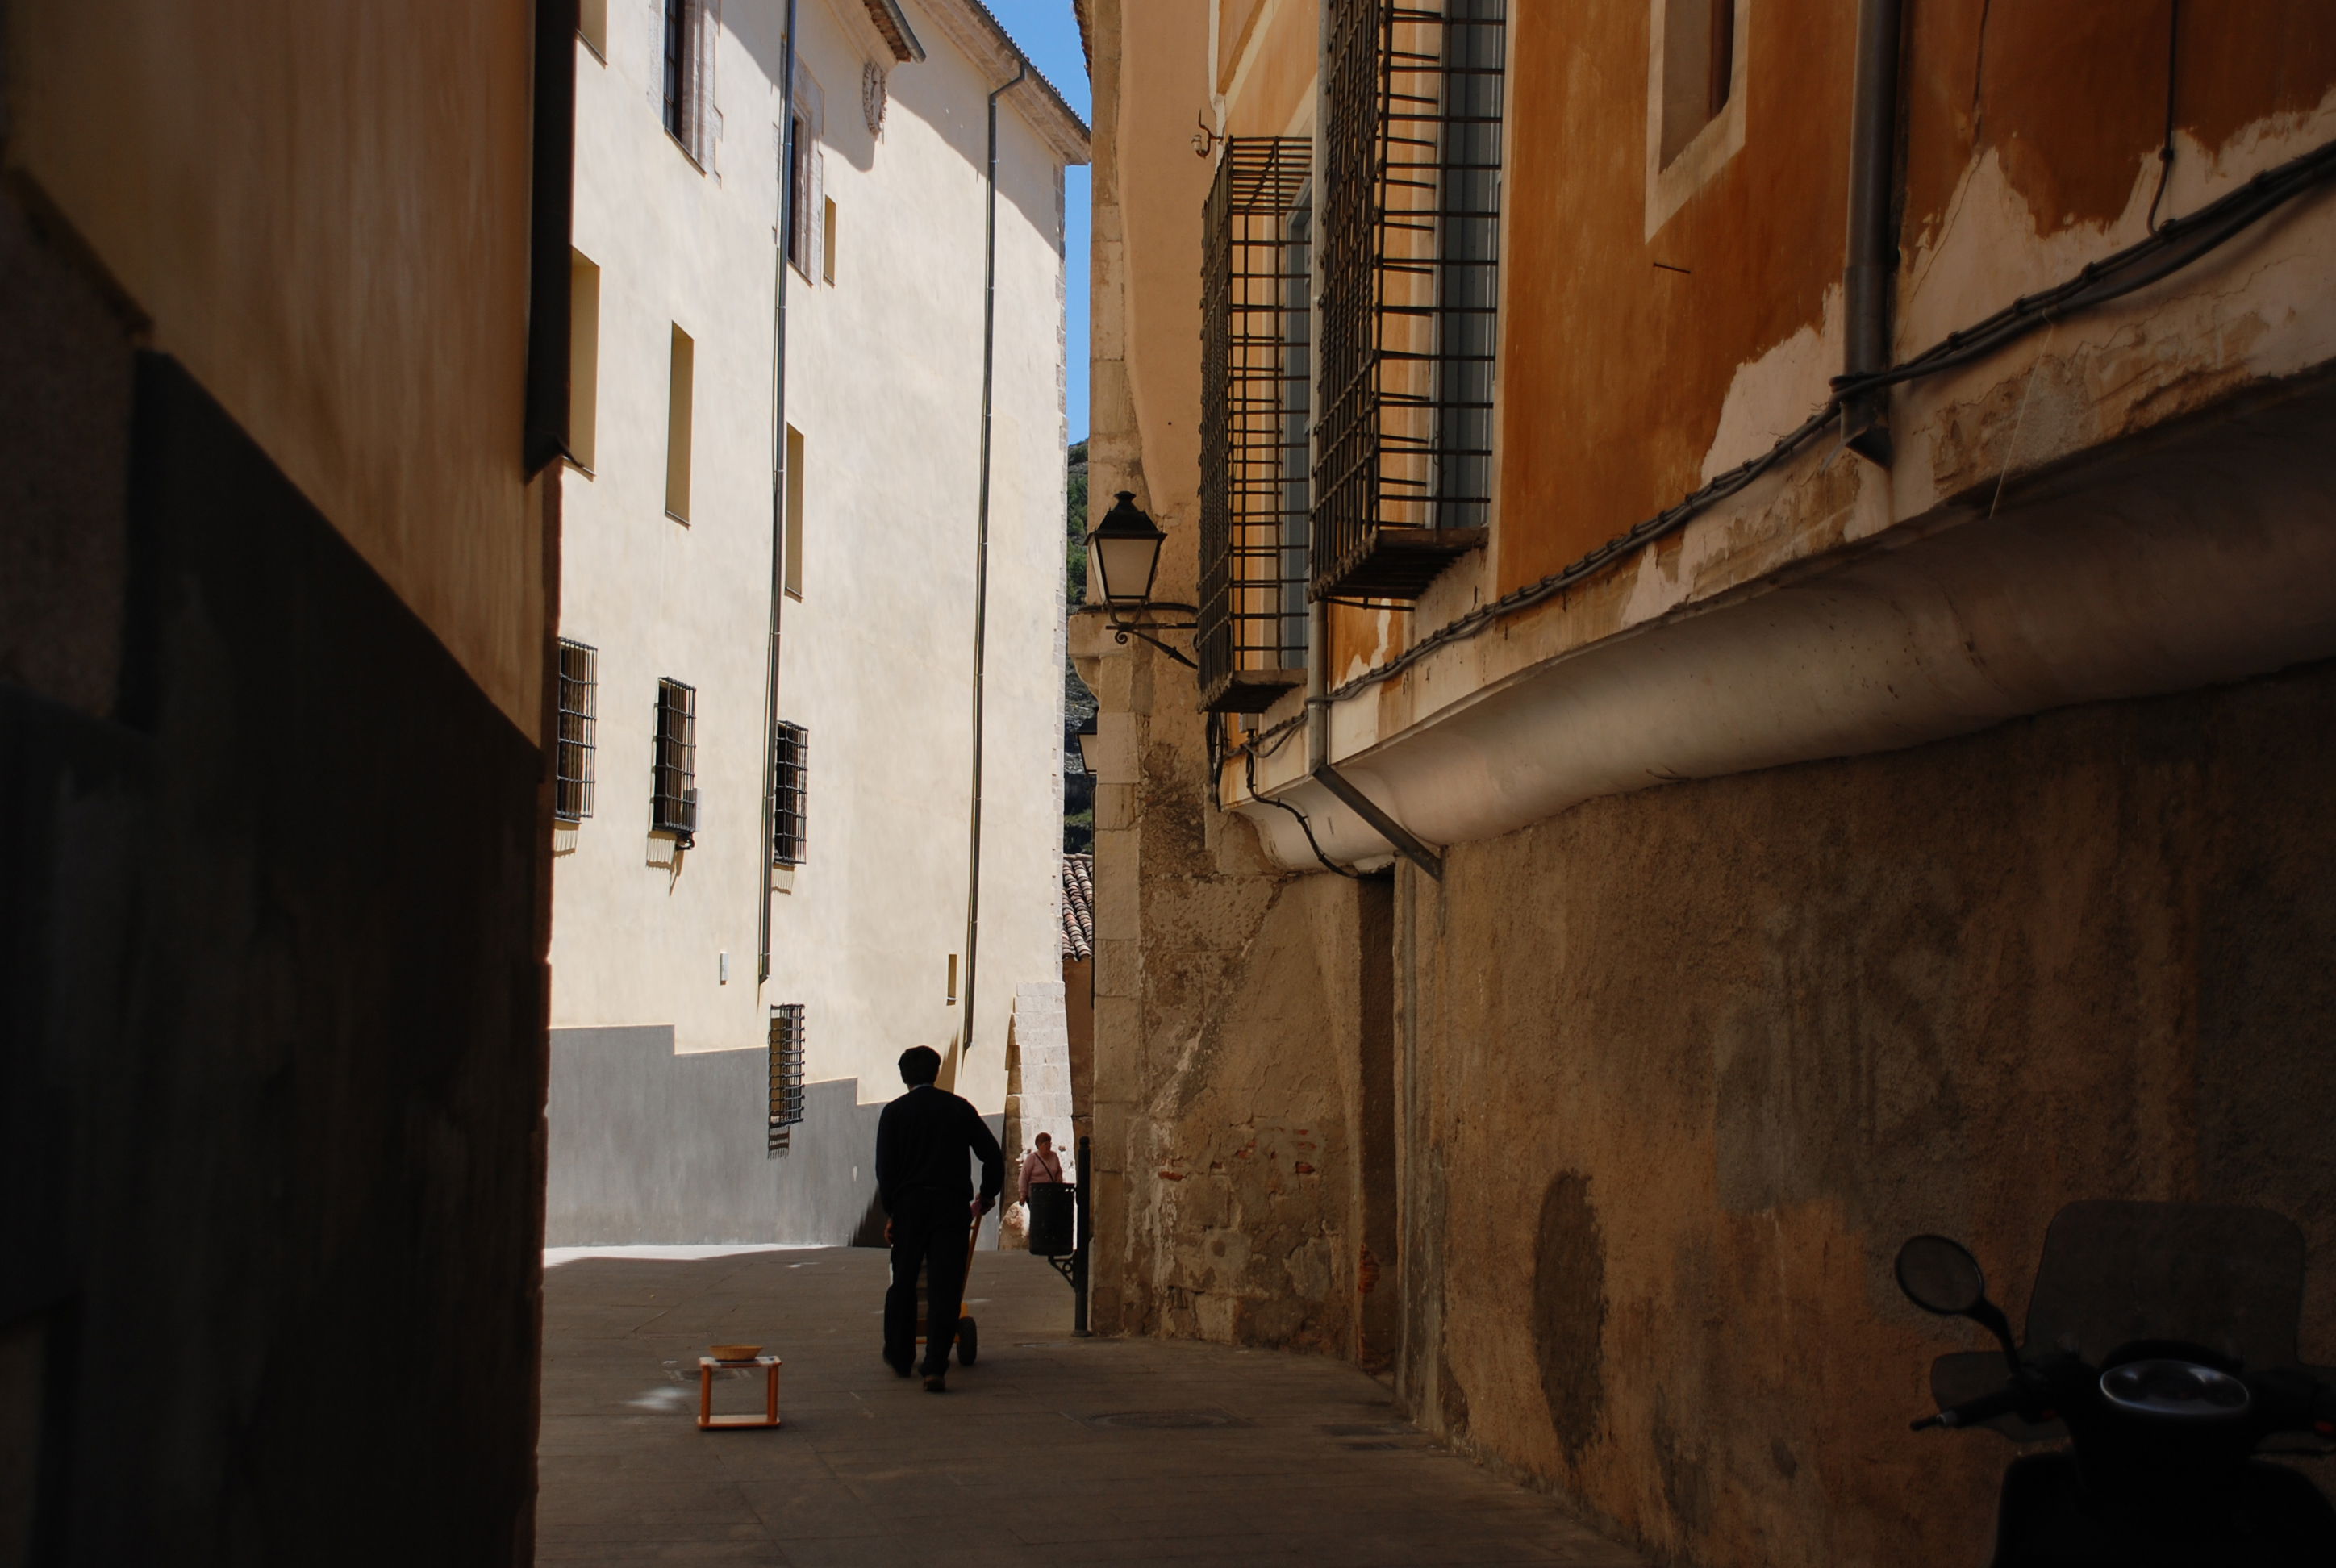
1256,389
790,794
787,1073
1409,256
673,774
579,692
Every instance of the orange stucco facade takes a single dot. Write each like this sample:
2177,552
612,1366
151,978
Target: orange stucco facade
1896,843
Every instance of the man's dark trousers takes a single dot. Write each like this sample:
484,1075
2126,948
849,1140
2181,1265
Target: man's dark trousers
930,1232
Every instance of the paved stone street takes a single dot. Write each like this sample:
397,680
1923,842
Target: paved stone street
1073,1451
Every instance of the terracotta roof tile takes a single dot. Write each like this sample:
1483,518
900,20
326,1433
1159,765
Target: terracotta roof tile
1078,907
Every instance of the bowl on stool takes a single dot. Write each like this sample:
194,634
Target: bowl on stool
736,1353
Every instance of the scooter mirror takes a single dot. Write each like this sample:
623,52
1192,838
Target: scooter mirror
1940,1276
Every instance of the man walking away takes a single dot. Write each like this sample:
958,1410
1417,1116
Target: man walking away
922,1140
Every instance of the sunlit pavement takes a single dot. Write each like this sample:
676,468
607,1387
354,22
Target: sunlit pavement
1073,1451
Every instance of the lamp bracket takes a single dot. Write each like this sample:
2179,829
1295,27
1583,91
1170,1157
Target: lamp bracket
1139,622
1123,630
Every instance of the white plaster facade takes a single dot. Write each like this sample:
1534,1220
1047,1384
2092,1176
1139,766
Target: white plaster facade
884,384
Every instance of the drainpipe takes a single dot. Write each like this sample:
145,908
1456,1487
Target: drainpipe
778,496
1873,263
981,561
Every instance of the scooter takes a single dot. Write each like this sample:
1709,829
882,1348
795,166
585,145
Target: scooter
2161,1344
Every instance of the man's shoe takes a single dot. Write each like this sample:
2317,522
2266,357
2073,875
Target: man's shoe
935,1383
903,1367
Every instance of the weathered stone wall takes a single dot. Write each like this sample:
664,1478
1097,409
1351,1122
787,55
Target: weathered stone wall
1246,1230
1682,1068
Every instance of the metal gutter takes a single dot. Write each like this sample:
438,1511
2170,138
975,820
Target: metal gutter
981,563
778,501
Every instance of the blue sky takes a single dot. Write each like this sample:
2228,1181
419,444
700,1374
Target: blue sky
1050,36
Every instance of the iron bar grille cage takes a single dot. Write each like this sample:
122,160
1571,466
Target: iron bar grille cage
1410,247
786,1072
790,775
579,692
1255,389
673,795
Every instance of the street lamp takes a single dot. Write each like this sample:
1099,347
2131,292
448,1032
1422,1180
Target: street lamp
1087,749
1126,547
1125,550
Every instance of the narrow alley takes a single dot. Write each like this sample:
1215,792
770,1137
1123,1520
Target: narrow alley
1090,1451
1590,742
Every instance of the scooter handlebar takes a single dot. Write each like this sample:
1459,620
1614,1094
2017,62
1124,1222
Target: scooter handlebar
1971,1412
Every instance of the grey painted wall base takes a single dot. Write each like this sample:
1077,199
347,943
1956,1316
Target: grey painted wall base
648,1146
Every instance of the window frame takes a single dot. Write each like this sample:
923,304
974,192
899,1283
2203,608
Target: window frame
1679,165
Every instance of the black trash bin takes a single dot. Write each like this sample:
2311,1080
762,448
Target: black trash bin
1054,1219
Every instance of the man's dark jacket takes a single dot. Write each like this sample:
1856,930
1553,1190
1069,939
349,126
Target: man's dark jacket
922,1142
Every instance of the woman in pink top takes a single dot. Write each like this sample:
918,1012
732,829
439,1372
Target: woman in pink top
1041,1164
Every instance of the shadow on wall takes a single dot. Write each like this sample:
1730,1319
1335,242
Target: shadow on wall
268,1078
931,90
648,1146
651,1147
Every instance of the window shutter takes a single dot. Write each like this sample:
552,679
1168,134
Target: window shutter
655,74
810,101
817,213
704,118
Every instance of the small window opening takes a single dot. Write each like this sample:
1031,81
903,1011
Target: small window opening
790,794
792,568
1699,68
579,690
952,979
827,242
683,372
583,358
787,1073
673,784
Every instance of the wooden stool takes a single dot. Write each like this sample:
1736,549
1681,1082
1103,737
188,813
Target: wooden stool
706,1365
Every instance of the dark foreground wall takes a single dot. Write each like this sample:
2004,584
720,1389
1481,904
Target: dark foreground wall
648,1146
1683,1068
271,1074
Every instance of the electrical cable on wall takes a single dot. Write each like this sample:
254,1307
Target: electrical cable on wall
1304,826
